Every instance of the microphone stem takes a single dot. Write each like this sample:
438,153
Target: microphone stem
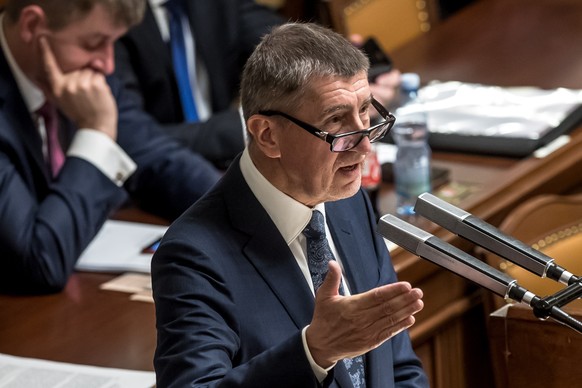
562,317
565,295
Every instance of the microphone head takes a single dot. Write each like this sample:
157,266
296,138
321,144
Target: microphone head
437,251
439,211
402,233
489,237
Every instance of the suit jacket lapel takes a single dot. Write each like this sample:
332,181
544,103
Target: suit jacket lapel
352,250
148,35
360,265
201,24
20,123
267,251
221,64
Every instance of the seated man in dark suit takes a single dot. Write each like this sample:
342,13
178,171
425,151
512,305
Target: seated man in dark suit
223,34
73,145
249,291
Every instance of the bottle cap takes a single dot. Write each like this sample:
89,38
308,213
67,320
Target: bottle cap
410,81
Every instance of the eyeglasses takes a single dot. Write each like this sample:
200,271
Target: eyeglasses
348,140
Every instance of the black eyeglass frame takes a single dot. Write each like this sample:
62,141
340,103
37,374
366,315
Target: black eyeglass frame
331,138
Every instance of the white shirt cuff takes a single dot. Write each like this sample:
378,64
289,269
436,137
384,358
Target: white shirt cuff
320,373
101,151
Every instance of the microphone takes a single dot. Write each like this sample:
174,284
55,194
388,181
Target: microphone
437,251
483,234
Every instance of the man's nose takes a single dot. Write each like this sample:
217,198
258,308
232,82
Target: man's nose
364,146
104,60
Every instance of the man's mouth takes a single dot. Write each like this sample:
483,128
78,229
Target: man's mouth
351,167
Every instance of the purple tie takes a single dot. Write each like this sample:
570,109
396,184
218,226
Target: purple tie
318,256
56,157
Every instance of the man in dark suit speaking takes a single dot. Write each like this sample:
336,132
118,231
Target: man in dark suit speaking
73,145
234,278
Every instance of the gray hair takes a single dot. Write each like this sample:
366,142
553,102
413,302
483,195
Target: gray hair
279,71
62,12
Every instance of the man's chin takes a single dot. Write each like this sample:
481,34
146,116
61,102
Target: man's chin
346,191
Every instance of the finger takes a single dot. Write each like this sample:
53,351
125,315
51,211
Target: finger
377,296
392,330
390,325
379,330
389,79
383,93
357,40
403,304
331,283
396,309
52,70
406,304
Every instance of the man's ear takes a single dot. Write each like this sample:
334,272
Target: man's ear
32,23
265,134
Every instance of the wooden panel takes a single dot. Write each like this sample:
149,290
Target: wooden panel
533,353
393,22
551,224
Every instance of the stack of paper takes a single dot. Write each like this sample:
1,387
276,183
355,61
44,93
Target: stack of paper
33,373
119,246
488,119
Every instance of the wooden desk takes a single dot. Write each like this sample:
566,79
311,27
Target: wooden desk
82,325
533,353
502,42
507,43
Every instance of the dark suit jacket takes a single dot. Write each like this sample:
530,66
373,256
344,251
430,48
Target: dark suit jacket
44,224
231,300
226,32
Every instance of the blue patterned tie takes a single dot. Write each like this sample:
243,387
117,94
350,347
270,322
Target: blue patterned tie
318,256
181,69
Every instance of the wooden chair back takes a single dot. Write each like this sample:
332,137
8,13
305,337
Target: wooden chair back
551,224
391,22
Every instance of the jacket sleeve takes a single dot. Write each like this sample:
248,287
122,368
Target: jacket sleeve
199,344
42,235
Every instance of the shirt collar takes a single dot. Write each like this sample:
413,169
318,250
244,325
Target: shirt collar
161,17
33,97
289,216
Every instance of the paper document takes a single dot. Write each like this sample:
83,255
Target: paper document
510,112
495,120
137,284
20,372
118,247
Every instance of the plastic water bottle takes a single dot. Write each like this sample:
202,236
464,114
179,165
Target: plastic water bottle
410,132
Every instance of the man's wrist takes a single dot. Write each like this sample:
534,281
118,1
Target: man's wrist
320,372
